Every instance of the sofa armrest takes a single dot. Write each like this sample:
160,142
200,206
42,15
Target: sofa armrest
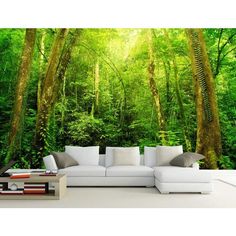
50,163
195,165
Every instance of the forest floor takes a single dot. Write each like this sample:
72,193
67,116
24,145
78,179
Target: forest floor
223,196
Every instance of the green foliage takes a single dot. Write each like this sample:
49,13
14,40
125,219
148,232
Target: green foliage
126,115
226,163
86,130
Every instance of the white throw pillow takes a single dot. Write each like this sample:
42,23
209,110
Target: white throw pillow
85,156
128,156
150,156
165,154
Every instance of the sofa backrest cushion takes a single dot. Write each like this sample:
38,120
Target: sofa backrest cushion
165,154
150,156
88,156
126,156
109,155
50,163
102,159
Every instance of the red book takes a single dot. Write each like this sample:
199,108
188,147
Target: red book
34,191
20,176
34,187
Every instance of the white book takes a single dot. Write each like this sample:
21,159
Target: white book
12,192
38,185
35,189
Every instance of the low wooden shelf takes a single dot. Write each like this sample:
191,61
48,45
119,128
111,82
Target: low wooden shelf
58,182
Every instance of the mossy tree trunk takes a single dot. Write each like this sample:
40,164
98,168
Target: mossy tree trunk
41,64
167,69
47,95
52,84
64,61
208,127
96,89
21,90
154,89
178,93
60,85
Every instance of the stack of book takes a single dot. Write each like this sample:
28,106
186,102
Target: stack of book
35,188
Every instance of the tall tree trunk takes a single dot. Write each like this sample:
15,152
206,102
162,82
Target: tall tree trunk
61,78
154,90
21,89
167,69
55,78
178,94
63,98
208,127
41,62
47,95
96,89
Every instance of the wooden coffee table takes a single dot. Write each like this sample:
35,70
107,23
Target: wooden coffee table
56,192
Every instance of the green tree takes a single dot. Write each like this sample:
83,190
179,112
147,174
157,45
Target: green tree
208,127
21,90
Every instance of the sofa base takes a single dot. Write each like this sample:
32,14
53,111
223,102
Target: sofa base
110,181
183,187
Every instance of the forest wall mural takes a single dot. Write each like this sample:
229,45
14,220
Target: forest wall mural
117,87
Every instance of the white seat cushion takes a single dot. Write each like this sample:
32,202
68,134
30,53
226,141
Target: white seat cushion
127,156
175,174
127,171
83,171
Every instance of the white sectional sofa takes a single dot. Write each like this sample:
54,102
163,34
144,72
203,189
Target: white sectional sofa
166,178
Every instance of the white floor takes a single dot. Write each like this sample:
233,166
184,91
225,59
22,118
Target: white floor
223,196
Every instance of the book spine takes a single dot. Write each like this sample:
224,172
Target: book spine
34,192
48,175
35,187
26,183
12,192
20,177
19,174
